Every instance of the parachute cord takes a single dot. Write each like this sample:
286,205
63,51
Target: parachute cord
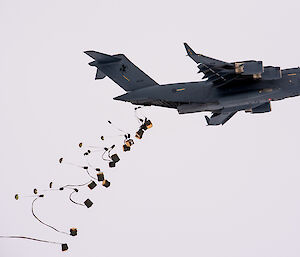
63,187
97,150
115,136
30,238
108,153
30,195
32,211
87,171
95,147
72,164
66,186
104,159
116,127
140,120
70,197
109,136
49,190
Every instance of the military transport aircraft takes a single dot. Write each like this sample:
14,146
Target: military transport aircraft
229,86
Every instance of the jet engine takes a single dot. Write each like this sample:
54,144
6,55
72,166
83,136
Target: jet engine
249,68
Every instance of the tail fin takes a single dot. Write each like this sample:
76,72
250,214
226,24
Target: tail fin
121,70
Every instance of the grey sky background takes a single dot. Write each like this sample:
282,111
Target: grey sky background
185,189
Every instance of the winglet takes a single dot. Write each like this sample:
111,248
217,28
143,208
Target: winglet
189,50
192,54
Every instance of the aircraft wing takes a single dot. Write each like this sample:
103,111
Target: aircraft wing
207,61
213,69
221,117
221,73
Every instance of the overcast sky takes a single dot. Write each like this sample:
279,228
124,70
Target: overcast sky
185,189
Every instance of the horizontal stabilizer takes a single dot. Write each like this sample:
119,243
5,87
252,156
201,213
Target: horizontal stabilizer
101,58
121,70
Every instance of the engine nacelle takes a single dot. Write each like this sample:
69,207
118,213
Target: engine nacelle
249,68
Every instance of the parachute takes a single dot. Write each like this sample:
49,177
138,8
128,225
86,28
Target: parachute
94,174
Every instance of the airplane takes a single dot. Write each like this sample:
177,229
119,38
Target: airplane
228,87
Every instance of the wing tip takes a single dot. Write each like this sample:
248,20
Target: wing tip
188,49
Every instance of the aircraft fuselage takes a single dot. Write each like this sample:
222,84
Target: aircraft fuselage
203,96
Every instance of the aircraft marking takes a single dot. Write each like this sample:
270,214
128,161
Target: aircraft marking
125,77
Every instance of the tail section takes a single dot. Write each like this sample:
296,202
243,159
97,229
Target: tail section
121,70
